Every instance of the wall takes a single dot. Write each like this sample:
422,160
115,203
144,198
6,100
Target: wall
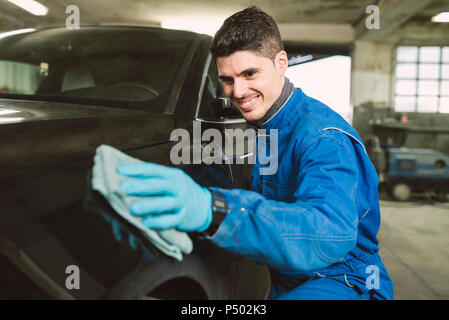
372,76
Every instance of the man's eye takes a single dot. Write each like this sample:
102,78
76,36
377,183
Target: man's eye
227,81
250,74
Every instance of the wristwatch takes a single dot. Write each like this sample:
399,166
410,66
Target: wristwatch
219,211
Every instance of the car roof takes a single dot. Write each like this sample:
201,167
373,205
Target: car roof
96,37
112,26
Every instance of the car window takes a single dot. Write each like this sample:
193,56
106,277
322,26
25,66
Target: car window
10,83
104,65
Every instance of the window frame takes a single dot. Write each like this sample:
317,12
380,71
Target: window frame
417,77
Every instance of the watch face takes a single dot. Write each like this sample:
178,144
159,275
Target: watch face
219,203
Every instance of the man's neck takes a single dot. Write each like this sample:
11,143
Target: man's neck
287,90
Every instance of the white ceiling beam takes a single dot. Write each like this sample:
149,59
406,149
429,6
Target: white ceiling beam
316,32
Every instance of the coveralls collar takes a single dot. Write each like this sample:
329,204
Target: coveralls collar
279,104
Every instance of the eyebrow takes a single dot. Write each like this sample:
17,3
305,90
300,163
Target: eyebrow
248,70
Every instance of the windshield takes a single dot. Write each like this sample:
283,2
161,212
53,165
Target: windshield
111,66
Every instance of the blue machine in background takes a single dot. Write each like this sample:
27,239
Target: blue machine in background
417,170
404,171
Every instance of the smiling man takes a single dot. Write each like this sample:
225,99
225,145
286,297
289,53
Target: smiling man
314,222
253,82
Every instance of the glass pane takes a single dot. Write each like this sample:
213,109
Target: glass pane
444,88
406,87
406,70
404,104
112,66
445,71
429,54
428,87
444,104
429,71
19,77
407,54
446,54
427,104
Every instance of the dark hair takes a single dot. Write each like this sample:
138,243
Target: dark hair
249,29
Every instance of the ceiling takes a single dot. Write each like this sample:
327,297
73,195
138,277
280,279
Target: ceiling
434,8
327,14
155,11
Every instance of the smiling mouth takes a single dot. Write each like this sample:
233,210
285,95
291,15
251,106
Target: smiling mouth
247,105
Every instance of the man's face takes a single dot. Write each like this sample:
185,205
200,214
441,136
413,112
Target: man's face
251,81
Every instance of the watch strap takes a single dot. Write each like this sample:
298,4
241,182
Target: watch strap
219,211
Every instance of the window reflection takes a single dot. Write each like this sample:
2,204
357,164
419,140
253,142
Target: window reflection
10,116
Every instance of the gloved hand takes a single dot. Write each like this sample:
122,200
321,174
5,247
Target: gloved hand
170,198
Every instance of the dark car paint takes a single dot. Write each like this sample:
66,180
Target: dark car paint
44,228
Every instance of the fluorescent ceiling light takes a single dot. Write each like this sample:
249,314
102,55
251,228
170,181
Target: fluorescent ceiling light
31,6
207,26
441,17
10,33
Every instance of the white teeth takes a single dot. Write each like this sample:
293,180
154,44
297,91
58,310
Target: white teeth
248,102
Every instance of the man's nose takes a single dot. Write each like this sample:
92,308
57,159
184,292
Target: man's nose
239,89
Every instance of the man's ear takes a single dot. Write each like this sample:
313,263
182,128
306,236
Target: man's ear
282,61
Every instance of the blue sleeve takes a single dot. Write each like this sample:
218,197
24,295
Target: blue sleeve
319,228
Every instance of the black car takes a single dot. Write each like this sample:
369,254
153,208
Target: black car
62,94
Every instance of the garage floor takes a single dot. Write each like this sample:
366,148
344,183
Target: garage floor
414,246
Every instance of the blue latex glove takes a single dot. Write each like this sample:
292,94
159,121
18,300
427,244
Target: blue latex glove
170,198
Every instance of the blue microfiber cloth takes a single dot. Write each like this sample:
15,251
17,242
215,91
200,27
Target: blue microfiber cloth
106,180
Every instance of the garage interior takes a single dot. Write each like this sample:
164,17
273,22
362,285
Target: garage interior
398,93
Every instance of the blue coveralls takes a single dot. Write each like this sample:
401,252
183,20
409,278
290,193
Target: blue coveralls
314,222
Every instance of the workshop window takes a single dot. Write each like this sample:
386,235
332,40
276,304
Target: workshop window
422,79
